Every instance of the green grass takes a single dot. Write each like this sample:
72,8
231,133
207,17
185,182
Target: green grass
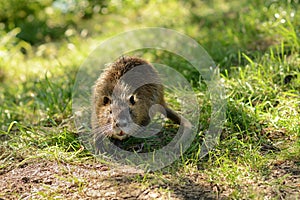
256,46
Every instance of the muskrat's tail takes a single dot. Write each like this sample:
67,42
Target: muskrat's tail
185,128
172,115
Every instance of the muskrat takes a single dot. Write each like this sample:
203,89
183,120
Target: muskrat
124,96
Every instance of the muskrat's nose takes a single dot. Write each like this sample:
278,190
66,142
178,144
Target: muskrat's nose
121,123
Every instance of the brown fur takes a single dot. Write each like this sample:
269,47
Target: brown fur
110,98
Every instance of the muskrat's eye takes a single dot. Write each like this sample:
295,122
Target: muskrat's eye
105,100
132,100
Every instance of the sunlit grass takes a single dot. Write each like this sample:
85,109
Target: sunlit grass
255,44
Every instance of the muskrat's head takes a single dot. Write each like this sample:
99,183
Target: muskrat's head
122,97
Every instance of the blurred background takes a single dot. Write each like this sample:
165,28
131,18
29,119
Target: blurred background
52,38
222,27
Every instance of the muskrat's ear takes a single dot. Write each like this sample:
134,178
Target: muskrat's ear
132,99
106,100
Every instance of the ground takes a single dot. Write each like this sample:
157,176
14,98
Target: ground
44,179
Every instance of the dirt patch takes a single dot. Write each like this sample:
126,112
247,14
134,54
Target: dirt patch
288,174
42,179
46,179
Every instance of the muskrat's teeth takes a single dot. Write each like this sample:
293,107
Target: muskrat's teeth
121,133
119,136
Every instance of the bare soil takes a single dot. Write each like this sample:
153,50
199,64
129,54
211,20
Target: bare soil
42,179
47,179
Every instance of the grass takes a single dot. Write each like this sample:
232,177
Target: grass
256,46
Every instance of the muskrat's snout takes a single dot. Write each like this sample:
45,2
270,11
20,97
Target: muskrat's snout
120,114
121,123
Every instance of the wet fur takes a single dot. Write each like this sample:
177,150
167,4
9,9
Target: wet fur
103,123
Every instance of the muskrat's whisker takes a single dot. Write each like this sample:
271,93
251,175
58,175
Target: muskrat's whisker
101,132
